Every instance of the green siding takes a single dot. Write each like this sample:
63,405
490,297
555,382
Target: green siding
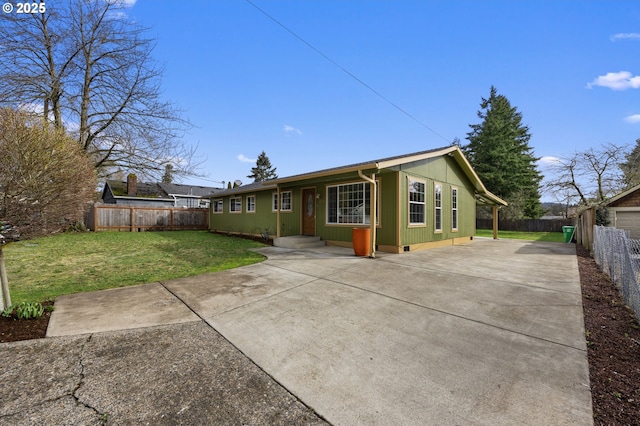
263,219
393,228
446,172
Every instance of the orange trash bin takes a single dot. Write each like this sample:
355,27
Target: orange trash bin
361,239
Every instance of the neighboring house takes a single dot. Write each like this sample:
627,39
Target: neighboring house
624,211
134,193
418,201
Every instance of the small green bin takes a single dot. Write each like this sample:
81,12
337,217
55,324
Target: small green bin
568,233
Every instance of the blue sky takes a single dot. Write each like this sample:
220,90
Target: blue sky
572,68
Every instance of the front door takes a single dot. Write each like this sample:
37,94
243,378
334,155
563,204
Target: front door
309,211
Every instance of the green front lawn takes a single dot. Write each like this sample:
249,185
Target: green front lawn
555,237
44,268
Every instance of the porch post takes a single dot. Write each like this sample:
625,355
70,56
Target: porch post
278,211
373,188
495,222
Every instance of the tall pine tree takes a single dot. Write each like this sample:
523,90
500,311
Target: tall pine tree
499,151
263,169
631,167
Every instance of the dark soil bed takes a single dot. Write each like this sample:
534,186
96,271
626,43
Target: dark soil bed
613,345
12,329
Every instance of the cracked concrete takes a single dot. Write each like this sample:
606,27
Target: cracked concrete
39,380
173,374
490,333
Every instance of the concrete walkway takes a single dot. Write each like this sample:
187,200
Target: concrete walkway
487,333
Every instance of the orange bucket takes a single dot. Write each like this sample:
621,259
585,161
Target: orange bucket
361,239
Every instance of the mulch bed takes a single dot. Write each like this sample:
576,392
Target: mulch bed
12,329
613,345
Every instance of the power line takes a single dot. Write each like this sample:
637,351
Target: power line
346,71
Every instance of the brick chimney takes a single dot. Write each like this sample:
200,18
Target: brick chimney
132,185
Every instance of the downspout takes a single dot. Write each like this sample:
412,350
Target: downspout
278,211
373,191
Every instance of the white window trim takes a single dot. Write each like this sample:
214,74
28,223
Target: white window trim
275,204
232,202
437,209
247,198
455,201
365,184
215,206
409,202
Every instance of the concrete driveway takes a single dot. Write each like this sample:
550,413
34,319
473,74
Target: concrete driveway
487,333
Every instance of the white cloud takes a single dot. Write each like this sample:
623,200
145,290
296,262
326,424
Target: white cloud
635,118
38,109
290,129
548,160
244,159
625,36
617,81
122,3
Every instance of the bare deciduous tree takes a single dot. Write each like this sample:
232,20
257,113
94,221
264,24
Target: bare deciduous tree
86,67
589,176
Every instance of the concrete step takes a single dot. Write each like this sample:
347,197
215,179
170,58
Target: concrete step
298,242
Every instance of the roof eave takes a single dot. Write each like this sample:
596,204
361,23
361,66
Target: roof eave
622,195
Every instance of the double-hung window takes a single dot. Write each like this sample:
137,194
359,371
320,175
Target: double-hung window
285,201
251,204
217,206
417,204
454,209
235,205
438,207
349,204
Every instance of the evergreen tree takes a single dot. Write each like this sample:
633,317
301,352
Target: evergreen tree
263,169
631,168
167,177
499,151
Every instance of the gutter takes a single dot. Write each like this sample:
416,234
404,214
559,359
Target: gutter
373,189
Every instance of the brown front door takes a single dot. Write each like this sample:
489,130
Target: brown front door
309,211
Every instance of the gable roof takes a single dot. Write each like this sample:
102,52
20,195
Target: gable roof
622,195
180,189
160,189
144,190
482,194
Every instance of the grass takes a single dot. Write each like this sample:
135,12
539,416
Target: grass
42,269
554,237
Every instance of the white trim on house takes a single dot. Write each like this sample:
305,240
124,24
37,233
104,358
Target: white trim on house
421,201
437,207
454,209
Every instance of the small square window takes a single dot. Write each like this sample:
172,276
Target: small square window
235,205
285,201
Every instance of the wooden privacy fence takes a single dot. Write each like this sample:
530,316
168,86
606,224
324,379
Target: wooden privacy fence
526,225
136,219
584,227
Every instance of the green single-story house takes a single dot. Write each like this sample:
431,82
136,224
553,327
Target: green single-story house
408,202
